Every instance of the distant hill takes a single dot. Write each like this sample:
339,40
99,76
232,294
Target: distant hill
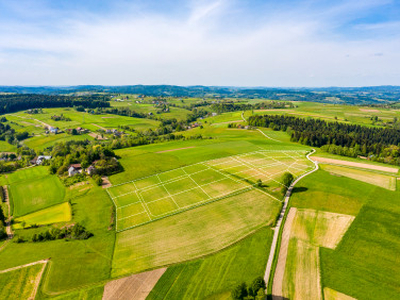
349,95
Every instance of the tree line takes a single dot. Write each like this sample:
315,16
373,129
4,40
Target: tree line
379,144
15,102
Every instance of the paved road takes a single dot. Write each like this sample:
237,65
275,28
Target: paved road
279,223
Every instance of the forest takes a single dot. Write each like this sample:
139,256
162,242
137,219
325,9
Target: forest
379,144
15,102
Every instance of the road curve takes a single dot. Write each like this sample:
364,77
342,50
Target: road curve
279,223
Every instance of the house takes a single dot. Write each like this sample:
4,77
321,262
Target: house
54,130
91,170
108,131
214,114
74,169
41,158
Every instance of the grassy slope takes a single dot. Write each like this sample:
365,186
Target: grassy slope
193,233
73,263
33,189
6,147
217,273
19,284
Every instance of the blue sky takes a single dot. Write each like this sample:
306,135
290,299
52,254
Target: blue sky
220,42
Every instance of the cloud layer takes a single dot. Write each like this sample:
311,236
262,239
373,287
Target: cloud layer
243,43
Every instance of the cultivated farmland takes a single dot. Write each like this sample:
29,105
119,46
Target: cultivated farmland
194,233
165,194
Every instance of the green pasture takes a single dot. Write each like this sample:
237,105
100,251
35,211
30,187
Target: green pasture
6,147
34,193
43,141
82,119
193,233
54,214
77,263
216,275
19,284
364,265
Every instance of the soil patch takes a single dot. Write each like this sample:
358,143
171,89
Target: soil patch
175,149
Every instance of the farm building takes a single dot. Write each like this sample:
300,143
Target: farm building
54,130
74,169
91,170
40,159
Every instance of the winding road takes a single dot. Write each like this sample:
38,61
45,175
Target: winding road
279,223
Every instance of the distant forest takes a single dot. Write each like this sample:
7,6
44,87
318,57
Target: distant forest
379,144
361,95
15,102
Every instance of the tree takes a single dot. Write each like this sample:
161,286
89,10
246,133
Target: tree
287,179
98,180
240,291
257,284
259,183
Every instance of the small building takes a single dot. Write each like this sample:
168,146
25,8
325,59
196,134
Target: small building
41,158
54,130
91,170
74,169
214,114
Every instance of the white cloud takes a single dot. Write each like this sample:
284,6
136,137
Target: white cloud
151,48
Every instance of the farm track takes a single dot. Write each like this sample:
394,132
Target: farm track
279,223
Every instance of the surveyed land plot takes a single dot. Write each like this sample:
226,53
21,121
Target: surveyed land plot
164,194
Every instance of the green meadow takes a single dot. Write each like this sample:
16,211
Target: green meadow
33,189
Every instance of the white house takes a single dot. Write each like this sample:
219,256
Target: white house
74,169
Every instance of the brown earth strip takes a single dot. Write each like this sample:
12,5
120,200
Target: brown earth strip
354,164
136,286
106,182
99,126
277,286
175,149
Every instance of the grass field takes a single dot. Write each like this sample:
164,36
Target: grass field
33,189
171,192
19,284
54,214
387,182
74,264
193,233
6,147
214,276
364,265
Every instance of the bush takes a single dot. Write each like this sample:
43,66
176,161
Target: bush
98,180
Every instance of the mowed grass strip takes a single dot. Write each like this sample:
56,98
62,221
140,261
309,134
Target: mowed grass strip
19,284
32,195
387,182
193,233
54,214
302,272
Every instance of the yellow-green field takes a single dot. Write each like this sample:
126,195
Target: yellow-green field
385,181
193,233
20,283
54,214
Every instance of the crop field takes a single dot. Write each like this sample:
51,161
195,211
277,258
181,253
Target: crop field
214,276
387,182
310,230
20,283
54,214
164,194
193,233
